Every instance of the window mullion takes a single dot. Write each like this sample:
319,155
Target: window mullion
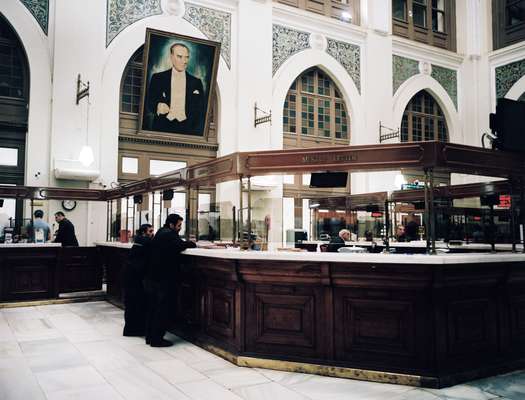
316,100
332,118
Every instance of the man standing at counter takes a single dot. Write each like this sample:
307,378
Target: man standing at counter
134,295
160,279
66,231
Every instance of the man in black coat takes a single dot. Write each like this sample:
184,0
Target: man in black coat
339,241
66,231
161,278
134,294
176,98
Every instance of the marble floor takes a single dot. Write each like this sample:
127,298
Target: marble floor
76,351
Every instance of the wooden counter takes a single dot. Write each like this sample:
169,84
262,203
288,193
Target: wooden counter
421,320
43,271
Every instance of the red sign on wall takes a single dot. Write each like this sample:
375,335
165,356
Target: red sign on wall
504,201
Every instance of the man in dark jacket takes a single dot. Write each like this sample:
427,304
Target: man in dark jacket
66,231
338,242
161,277
176,98
134,294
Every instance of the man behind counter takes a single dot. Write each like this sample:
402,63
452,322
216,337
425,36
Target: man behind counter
339,241
160,279
66,231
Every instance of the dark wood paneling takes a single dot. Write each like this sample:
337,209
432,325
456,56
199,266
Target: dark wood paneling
80,270
28,274
220,312
282,317
44,272
114,260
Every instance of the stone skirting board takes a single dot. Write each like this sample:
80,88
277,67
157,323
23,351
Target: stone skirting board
430,325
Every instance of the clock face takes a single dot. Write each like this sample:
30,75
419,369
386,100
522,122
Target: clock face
69,205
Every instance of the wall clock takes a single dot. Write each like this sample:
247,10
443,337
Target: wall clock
69,205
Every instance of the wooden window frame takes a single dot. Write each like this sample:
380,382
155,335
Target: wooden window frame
410,114
502,35
317,135
328,8
407,29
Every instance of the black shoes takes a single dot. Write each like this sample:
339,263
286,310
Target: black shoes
162,343
133,333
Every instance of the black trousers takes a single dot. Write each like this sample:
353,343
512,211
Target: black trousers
135,305
160,306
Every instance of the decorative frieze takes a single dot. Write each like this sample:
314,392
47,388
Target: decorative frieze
287,42
448,78
402,69
349,56
123,13
214,24
40,10
174,143
507,75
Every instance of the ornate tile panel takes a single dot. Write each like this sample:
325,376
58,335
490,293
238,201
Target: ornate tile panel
507,75
216,26
349,56
448,78
123,13
40,10
402,69
285,43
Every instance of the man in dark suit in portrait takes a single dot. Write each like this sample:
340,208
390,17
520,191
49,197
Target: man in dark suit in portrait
176,98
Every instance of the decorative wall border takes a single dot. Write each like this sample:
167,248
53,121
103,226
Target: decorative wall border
448,78
161,142
122,13
285,43
349,56
40,10
214,24
507,75
402,69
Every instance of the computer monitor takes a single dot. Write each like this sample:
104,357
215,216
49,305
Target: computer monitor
328,179
508,124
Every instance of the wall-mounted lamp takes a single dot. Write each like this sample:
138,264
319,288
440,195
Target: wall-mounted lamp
346,16
267,117
399,181
86,156
82,89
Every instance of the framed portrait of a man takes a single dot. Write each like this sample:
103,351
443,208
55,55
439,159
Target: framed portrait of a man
179,79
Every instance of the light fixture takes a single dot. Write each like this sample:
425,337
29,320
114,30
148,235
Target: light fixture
86,156
399,181
315,205
346,16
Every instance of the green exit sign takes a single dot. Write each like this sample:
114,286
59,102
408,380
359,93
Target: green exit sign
412,186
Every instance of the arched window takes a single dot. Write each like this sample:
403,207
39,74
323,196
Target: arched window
14,100
423,120
13,82
131,87
314,108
